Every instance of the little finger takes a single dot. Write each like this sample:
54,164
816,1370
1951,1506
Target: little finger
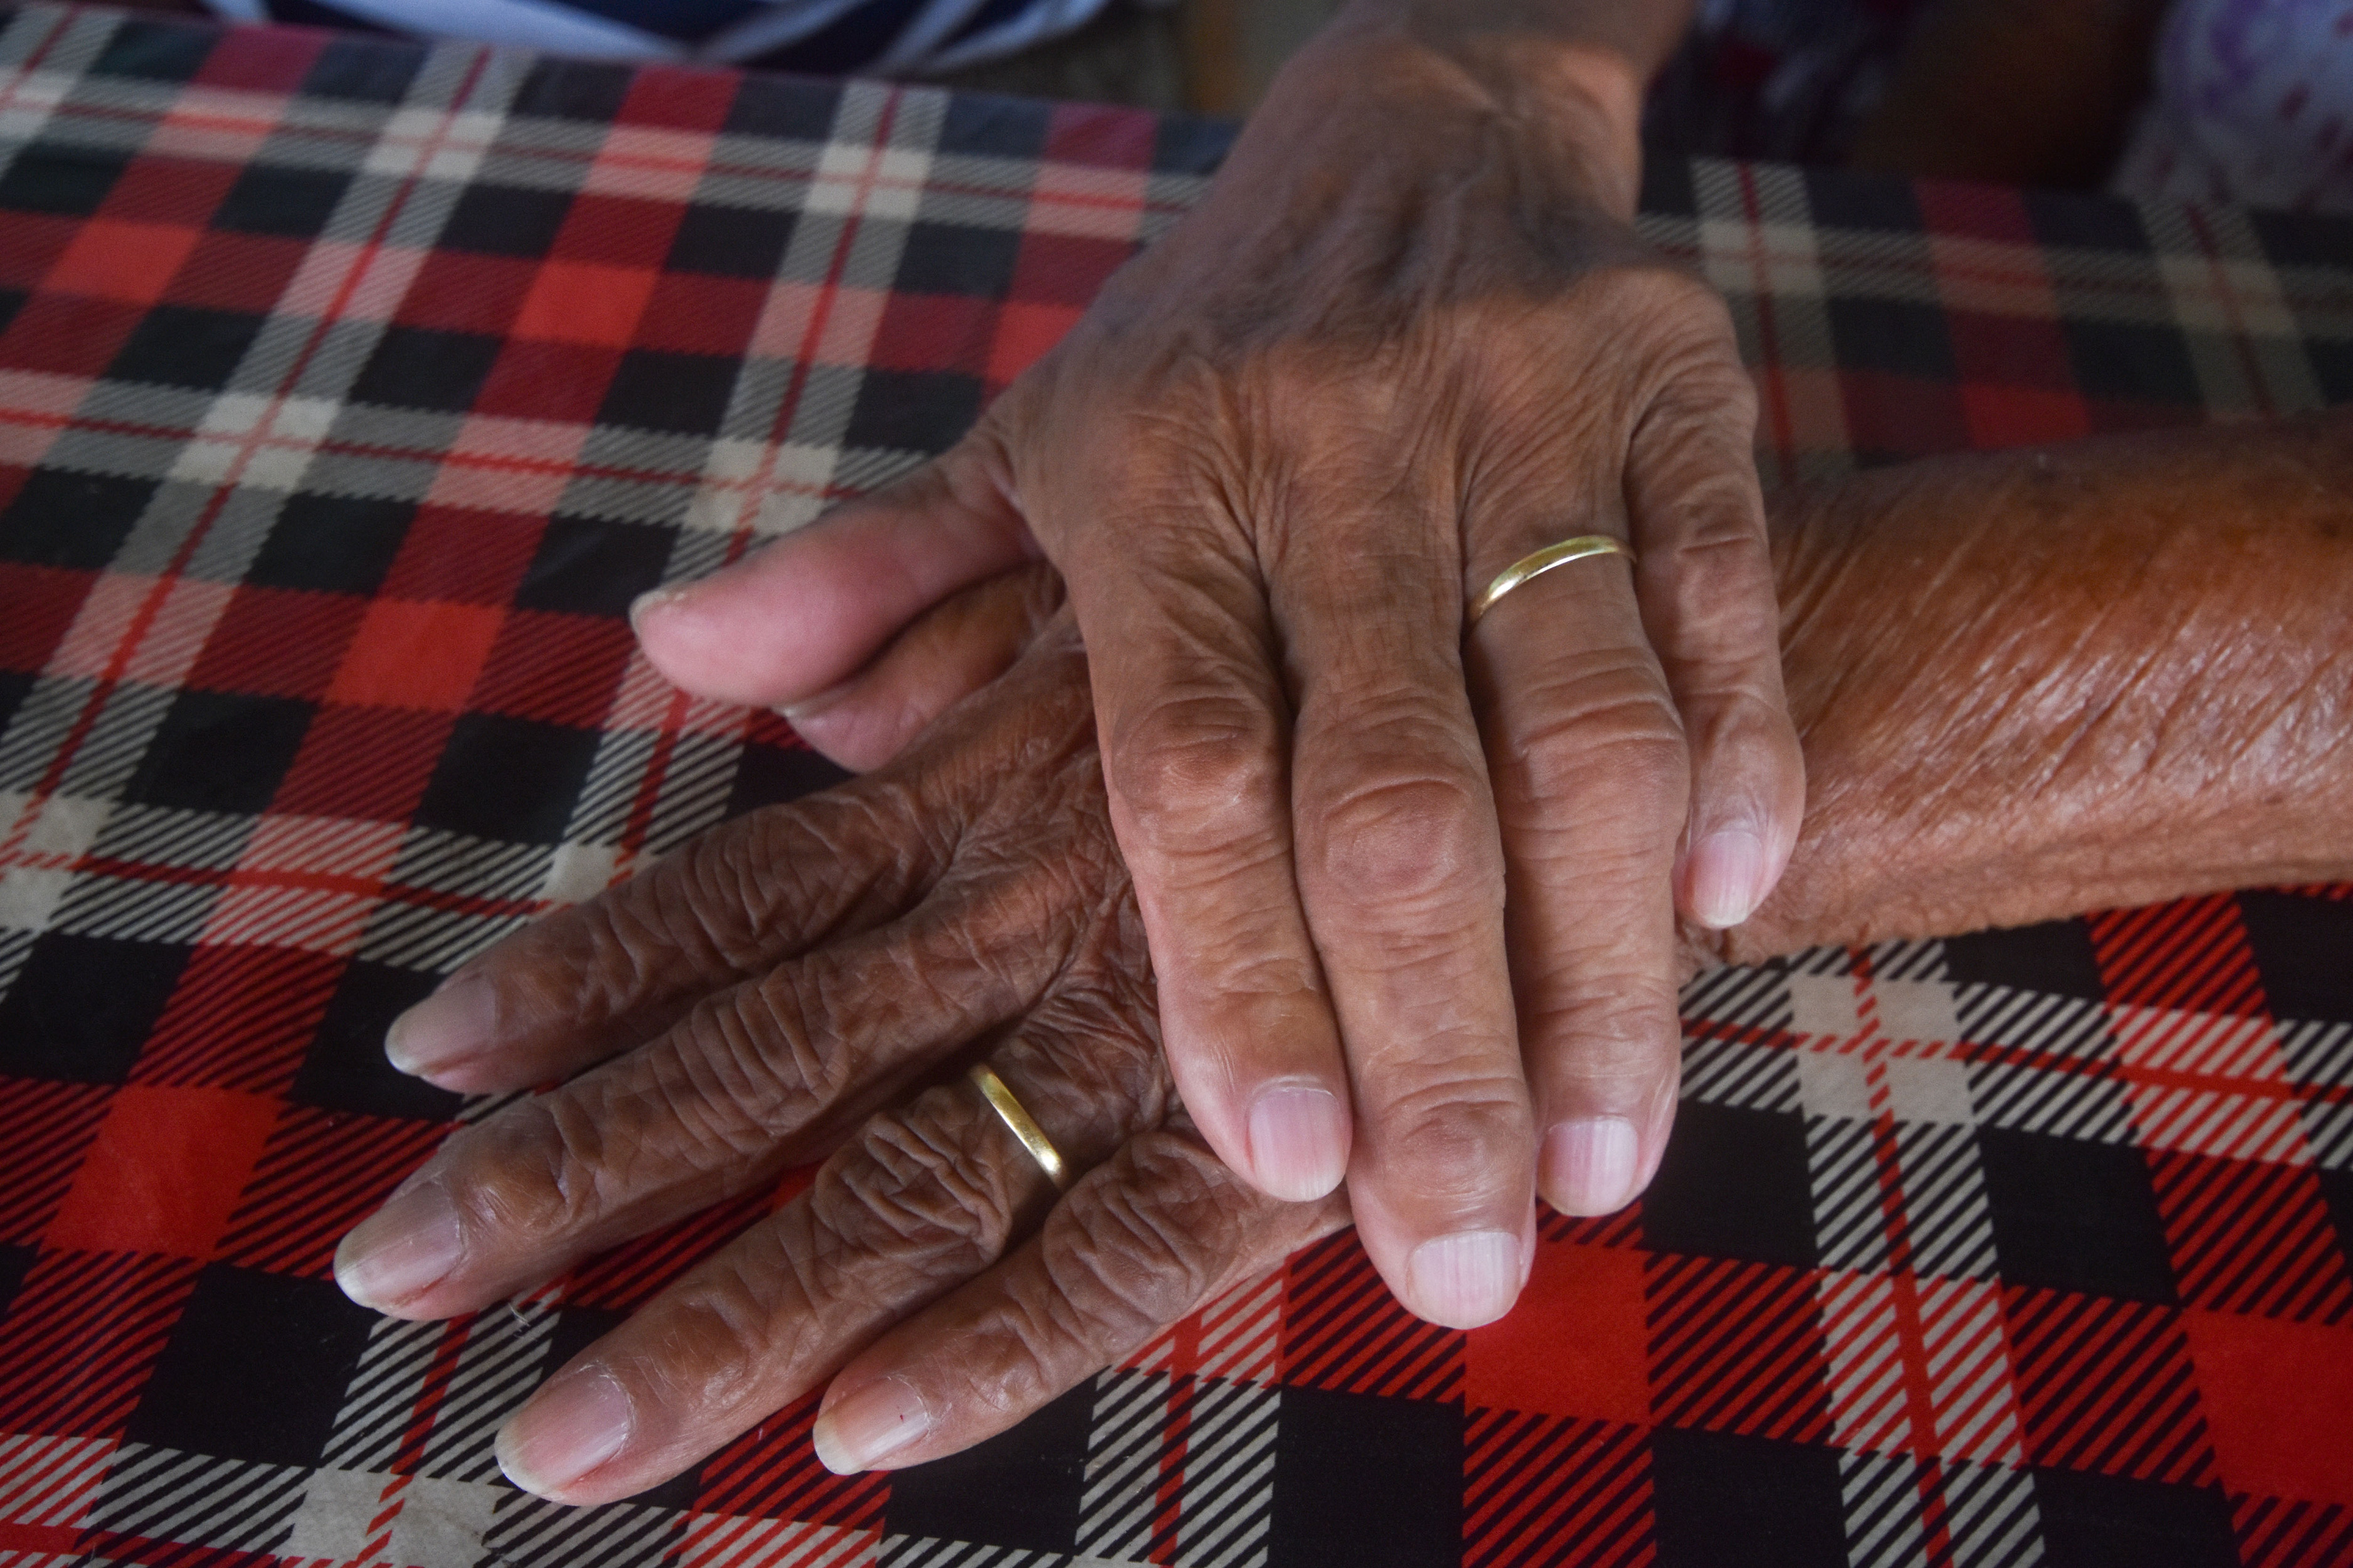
1146,1238
1705,581
922,1200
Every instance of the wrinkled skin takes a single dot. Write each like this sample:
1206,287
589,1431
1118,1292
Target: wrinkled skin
1407,337
2029,684
756,999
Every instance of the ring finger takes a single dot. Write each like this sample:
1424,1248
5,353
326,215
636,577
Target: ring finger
922,1200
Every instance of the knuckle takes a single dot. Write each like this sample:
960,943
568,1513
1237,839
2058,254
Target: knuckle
1722,543
1121,1268
1722,589
729,1323
751,883
1612,1031
1607,732
1333,386
1407,821
1197,764
608,962
538,1171
1133,1251
703,897
1742,731
747,1072
1091,1057
1451,1138
589,964
729,883
772,1046
1408,840
911,1184
1671,297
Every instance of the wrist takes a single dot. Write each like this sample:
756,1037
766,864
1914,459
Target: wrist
1570,102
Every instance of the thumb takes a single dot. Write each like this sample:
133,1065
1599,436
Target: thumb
799,617
953,649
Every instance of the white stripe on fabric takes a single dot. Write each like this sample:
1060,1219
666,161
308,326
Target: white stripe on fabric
521,24
934,39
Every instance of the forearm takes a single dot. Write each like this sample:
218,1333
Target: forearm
2090,676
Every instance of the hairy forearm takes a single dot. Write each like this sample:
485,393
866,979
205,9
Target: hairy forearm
2031,684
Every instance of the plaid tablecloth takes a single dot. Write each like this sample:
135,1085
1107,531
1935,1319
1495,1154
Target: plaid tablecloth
348,393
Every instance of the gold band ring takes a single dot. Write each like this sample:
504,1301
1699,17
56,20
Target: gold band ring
1544,560
1021,1124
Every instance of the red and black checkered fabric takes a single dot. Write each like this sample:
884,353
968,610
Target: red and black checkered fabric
349,391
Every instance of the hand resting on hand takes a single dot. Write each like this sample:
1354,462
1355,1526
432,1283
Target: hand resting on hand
1409,336
2029,684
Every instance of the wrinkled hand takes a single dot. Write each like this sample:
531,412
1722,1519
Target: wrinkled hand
2030,684
1408,338
755,1001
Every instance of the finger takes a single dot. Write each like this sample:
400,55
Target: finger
1402,879
1144,1239
923,1200
614,972
1705,581
1590,780
1195,749
762,1077
952,650
611,972
808,611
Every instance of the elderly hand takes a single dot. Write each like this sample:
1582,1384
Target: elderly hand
2030,684
1408,338
756,1000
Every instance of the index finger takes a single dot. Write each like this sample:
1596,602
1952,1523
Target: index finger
1196,742
607,974
614,972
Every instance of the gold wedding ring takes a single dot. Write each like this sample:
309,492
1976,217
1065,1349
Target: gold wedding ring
1021,1124
1543,561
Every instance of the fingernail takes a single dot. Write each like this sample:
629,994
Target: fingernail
800,714
1468,1278
1298,1142
816,702
406,1247
453,1024
1589,1165
652,599
1727,878
877,1420
570,1427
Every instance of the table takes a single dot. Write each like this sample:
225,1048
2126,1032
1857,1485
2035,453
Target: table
349,390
